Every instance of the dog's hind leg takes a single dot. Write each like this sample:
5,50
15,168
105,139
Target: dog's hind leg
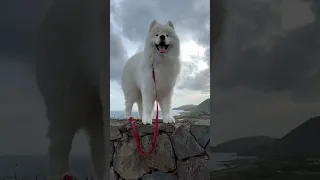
148,107
165,105
68,109
140,109
128,109
59,149
95,130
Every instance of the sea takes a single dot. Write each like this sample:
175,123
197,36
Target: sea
135,114
35,166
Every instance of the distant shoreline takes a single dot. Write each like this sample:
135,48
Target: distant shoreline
135,114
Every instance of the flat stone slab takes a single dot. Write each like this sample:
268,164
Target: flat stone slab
201,133
162,158
184,144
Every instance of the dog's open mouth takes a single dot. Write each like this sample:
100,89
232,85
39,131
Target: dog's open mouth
162,47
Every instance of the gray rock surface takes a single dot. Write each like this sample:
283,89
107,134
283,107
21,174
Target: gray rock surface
159,176
113,174
111,151
127,161
143,129
115,133
162,158
194,168
201,133
184,144
180,152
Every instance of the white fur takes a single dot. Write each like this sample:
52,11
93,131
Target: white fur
137,82
70,53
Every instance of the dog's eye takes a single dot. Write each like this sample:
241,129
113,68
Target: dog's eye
167,35
157,34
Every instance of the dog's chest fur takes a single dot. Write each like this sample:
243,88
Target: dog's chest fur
166,72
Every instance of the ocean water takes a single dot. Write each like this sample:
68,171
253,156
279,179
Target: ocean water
135,114
217,159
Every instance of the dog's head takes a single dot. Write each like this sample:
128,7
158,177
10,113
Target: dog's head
162,38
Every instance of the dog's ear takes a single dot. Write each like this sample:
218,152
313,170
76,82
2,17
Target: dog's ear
170,24
152,24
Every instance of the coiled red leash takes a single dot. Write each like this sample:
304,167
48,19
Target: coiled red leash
155,130
68,177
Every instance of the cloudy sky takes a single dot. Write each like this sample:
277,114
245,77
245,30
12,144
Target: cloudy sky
129,23
22,111
265,78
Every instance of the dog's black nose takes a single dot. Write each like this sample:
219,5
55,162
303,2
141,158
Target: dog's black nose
162,37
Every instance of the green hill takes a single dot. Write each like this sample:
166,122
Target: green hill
303,140
244,146
201,111
202,107
185,107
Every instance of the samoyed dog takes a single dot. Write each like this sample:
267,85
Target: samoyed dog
71,72
161,54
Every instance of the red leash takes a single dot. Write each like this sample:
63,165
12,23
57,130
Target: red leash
155,130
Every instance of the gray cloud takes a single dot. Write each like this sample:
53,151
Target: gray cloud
19,20
22,111
199,82
266,71
117,56
135,17
290,65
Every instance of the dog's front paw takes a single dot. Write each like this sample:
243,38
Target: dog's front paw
169,119
146,120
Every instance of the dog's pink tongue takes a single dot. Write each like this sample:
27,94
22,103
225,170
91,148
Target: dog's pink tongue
162,49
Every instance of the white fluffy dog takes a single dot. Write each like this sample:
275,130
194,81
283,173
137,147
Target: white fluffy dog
161,53
70,61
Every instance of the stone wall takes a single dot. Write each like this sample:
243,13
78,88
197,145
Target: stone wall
180,153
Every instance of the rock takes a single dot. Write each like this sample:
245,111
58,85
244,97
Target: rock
162,158
113,174
127,161
149,129
115,133
194,168
166,127
111,151
184,144
201,133
124,137
143,129
159,176
208,147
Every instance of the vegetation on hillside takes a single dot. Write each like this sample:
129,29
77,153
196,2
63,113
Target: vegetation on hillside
243,146
201,111
294,156
185,107
302,140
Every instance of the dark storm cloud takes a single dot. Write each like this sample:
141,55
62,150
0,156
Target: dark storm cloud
23,124
117,56
19,20
266,71
291,65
